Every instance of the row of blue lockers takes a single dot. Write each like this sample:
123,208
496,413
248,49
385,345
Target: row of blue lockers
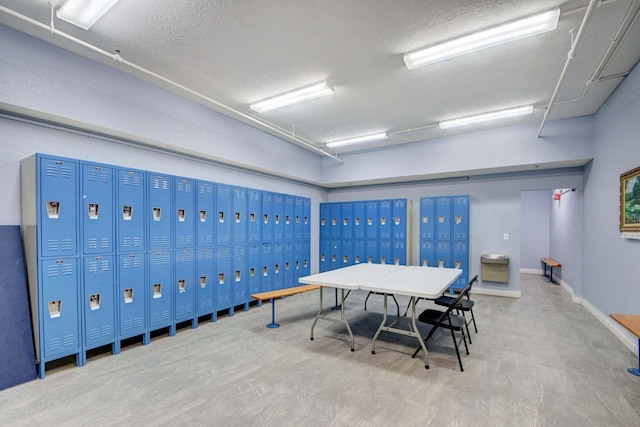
84,207
343,252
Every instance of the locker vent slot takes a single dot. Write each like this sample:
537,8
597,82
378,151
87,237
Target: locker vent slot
94,301
128,295
55,308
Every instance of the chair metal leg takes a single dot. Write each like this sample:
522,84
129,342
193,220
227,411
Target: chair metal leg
455,344
473,318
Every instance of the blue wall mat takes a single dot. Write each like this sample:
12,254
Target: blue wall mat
16,336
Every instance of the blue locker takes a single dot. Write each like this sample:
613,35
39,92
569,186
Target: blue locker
359,251
385,252
289,211
427,218
325,221
254,269
96,208
346,221
443,254
346,253
335,254
299,256
298,219
159,290
359,221
223,279
132,313
185,208
289,265
399,252
372,220
159,219
184,286
130,210
427,254
266,281
443,213
240,217
224,195
278,265
372,251
385,213
57,207
205,281
306,260
98,301
325,255
278,217
206,214
399,214
335,213
240,280
461,261
306,220
461,218
254,208
267,217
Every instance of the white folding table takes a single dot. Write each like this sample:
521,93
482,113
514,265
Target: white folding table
412,281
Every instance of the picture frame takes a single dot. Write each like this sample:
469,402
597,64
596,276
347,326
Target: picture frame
630,201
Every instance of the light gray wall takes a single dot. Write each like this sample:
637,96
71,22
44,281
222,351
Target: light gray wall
535,224
565,235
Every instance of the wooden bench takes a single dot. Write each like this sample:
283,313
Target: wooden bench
280,293
551,263
632,323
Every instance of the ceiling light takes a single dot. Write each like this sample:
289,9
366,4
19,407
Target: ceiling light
294,97
84,13
536,24
358,140
484,117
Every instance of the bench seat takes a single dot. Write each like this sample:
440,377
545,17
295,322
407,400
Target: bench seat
279,293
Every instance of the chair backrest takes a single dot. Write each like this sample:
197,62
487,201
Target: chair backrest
456,302
471,282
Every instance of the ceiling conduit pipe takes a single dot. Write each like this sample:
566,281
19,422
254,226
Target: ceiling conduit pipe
116,57
572,54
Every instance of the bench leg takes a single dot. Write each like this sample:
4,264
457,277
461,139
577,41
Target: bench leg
636,371
273,323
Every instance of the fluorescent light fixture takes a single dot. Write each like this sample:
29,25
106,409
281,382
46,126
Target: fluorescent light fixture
484,117
84,13
294,97
536,24
358,140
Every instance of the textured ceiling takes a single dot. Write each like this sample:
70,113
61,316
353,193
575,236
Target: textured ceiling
235,52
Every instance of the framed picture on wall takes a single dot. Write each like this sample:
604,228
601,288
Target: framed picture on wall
630,200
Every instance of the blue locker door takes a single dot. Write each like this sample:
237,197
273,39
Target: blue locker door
346,221
359,252
399,214
289,211
461,261
223,279
206,214
335,213
254,268
184,285
346,253
289,265
159,292
205,281
399,252
385,252
372,252
159,218
185,212
443,212
461,218
427,218
299,256
359,221
427,254
131,297
335,258
240,217
325,255
224,195
99,301
266,281
306,260
306,220
254,207
240,280
58,210
385,213
267,217
372,220
325,221
443,254
60,314
298,219
130,211
96,208
278,265
278,217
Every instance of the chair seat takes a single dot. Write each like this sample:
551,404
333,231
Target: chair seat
437,317
446,301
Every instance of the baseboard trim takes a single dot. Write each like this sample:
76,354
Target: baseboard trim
496,292
531,271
